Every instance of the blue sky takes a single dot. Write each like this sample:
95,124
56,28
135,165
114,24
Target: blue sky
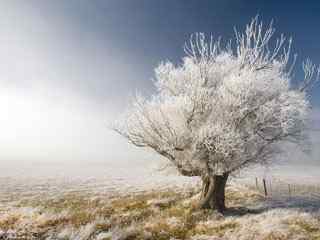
151,31
137,35
68,67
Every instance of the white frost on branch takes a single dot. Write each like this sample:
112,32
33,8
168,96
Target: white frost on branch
225,107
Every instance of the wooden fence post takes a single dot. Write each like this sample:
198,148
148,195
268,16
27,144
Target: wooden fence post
289,190
265,187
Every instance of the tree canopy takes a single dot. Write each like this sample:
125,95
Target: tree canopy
226,106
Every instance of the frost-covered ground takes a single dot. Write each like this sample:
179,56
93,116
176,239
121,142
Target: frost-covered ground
98,179
100,202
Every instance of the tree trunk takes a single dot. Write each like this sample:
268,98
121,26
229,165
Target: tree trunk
213,192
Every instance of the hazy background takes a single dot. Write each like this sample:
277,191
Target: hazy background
67,68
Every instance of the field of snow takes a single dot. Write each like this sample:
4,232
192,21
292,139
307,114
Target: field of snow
100,202
98,179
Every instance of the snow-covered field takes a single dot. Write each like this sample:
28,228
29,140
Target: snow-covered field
99,202
101,179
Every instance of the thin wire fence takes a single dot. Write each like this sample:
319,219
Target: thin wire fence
275,188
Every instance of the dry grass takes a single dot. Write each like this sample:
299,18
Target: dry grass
152,215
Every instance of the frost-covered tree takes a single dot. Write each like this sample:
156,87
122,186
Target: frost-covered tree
225,107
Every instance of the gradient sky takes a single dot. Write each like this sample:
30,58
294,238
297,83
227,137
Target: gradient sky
69,67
